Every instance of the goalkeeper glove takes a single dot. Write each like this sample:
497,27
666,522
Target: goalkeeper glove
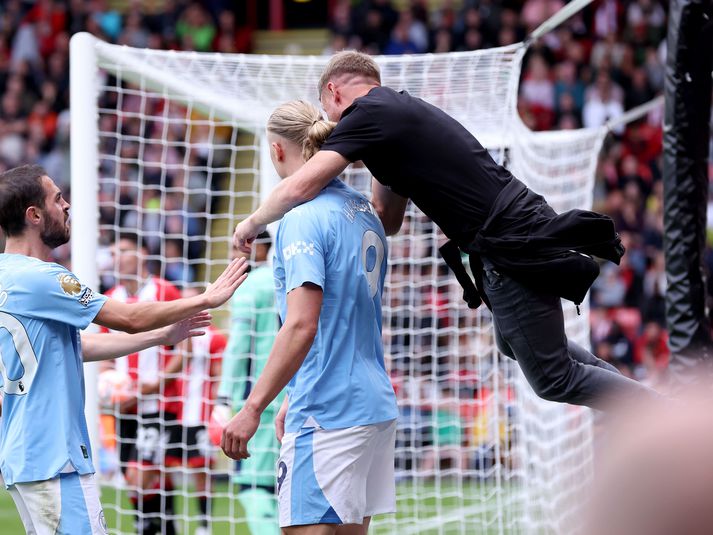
219,418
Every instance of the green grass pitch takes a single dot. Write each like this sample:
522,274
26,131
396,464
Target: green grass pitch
424,508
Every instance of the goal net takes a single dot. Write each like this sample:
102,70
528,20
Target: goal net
171,145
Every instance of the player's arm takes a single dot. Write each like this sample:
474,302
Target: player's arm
104,346
292,343
389,206
301,186
139,317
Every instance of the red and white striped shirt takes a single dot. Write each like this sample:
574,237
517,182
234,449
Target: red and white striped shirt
202,376
147,365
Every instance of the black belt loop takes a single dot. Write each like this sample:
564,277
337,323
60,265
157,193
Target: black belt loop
451,254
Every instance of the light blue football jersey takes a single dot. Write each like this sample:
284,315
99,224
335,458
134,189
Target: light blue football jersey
42,306
337,242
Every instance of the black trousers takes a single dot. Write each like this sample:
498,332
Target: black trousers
529,327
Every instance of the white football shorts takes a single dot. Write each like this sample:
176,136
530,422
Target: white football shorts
67,504
336,476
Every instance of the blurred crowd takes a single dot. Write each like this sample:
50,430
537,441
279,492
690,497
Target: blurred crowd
34,61
607,59
34,107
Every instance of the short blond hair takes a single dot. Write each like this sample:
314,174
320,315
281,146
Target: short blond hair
301,123
349,62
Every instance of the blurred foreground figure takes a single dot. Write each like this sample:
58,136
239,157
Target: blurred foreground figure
657,479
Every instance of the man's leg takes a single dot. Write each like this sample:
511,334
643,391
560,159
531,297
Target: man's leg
81,509
329,529
92,493
313,529
153,496
196,457
64,505
580,354
354,529
576,351
145,497
202,482
332,471
126,429
531,327
39,504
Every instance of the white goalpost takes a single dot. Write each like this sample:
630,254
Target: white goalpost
171,145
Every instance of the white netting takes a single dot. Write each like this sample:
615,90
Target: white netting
473,87
181,162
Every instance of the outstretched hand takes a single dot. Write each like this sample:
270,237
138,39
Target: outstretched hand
225,285
245,234
189,327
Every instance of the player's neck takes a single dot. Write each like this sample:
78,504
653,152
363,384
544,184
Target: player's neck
28,245
357,90
292,167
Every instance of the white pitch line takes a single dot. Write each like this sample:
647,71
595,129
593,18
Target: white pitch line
452,516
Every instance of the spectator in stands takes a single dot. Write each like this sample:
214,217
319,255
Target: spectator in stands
400,41
195,29
654,289
13,129
229,37
444,17
506,36
653,64
470,20
388,14
537,91
472,40
603,103
373,35
341,23
639,91
134,32
567,83
442,41
607,53
651,351
645,20
535,12
109,20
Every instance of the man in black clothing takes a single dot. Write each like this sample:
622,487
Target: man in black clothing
525,256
